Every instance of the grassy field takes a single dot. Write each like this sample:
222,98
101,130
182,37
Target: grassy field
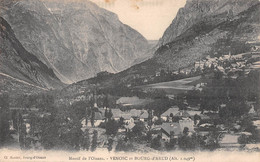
174,87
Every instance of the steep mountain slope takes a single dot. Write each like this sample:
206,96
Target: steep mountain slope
214,34
231,24
76,39
197,10
18,64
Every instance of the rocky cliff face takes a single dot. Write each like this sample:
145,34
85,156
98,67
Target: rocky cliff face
212,34
203,27
196,10
76,40
18,64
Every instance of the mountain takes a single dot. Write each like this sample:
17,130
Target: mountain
19,67
215,28
195,11
204,26
75,39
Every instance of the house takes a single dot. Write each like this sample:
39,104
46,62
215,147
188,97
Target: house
135,113
117,114
144,116
198,64
252,112
229,141
158,74
234,65
192,113
186,122
176,127
257,124
220,68
98,118
183,113
170,112
167,129
128,118
227,57
253,147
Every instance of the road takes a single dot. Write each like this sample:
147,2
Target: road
22,81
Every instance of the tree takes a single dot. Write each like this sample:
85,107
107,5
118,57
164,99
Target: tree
197,118
75,135
164,105
110,114
213,139
45,102
138,129
86,140
243,139
193,97
106,115
79,109
186,131
94,141
92,118
212,67
22,135
247,125
110,144
184,142
234,108
14,117
150,118
33,120
180,101
111,127
122,145
4,118
105,103
121,122
187,142
156,143
49,132
170,145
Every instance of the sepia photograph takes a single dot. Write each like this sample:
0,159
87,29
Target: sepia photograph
130,80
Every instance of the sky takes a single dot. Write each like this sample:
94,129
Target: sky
149,17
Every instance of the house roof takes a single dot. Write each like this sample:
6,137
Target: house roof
117,113
126,116
252,111
229,139
169,127
192,113
135,112
99,116
174,110
182,114
144,114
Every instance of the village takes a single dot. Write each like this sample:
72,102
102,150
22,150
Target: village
178,126
174,129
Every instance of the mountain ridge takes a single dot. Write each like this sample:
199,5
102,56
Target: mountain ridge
20,64
76,40
202,39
